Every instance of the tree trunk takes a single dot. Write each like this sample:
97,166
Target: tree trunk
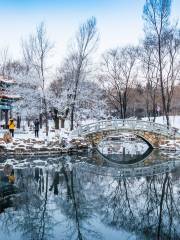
161,82
167,120
124,105
46,122
6,119
40,120
18,122
46,115
72,118
62,122
56,122
154,110
161,206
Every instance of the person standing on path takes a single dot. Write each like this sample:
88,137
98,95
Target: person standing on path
36,127
12,126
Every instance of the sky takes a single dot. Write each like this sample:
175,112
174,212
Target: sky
119,22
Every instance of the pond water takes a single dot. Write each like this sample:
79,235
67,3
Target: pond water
94,196
124,148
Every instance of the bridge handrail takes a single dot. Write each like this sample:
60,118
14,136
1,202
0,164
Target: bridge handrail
157,126
130,120
134,171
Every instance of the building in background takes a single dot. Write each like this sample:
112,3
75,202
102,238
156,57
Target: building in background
6,100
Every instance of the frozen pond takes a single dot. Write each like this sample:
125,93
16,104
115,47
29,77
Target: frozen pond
87,196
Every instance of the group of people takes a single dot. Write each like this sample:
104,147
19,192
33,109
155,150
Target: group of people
12,127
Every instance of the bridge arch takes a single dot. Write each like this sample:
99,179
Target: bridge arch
152,133
108,134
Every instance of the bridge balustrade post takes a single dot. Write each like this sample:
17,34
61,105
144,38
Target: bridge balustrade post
105,125
152,127
97,127
133,125
122,123
100,125
114,125
79,131
86,129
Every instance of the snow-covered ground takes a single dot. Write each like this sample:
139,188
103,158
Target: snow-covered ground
174,120
28,133
65,134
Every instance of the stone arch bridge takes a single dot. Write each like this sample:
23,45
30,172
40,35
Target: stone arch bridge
152,133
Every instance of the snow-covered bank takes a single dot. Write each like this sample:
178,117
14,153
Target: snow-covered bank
170,145
25,143
59,141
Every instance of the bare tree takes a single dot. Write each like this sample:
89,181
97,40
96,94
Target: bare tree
150,72
36,51
166,42
4,61
119,73
78,59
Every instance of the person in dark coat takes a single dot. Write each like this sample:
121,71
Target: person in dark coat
36,127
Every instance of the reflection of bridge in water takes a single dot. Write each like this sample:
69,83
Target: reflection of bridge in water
136,169
125,161
150,132
144,171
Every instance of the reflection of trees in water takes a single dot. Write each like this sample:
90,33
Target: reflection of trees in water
162,213
149,207
31,217
76,207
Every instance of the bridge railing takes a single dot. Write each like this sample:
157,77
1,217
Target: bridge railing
130,172
127,124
